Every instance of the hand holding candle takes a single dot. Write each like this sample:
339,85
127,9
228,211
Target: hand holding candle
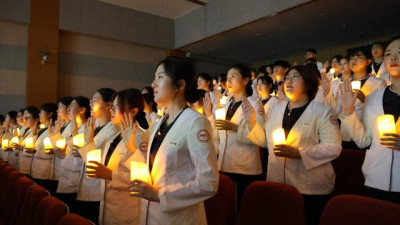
61,143
29,143
139,171
94,155
278,136
78,140
356,85
387,132
220,114
4,144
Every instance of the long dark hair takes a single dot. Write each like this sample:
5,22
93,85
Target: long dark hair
149,98
85,103
246,73
177,69
106,94
50,108
132,98
267,80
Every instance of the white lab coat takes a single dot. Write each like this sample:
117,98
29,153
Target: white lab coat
13,155
381,73
70,171
117,207
316,135
90,188
42,163
235,156
270,104
377,162
185,169
25,158
152,118
56,160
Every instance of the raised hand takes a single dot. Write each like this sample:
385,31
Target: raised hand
128,131
347,97
325,83
248,113
35,127
89,129
207,104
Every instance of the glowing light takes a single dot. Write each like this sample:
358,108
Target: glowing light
223,100
139,171
93,155
279,136
61,143
78,140
4,143
386,125
29,143
47,143
220,114
356,85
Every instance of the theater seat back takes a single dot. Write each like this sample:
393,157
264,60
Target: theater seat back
49,211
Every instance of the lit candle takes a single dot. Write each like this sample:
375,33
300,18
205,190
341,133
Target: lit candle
19,131
29,143
279,136
356,85
61,143
159,113
4,143
332,71
386,125
47,143
78,140
15,140
139,171
219,88
223,100
42,126
220,114
93,155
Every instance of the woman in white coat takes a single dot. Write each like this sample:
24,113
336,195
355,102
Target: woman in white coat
240,161
72,163
42,162
182,160
381,165
377,66
89,192
31,117
11,120
312,141
117,207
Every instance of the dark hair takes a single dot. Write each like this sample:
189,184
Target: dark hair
315,68
149,98
200,95
50,108
12,115
380,44
223,77
263,70
246,73
106,94
133,98
177,69
337,57
208,78
395,38
148,89
65,100
2,118
21,111
312,50
83,102
33,111
282,63
311,60
310,79
267,80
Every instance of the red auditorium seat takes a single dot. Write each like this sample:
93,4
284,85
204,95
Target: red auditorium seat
4,171
74,219
349,177
271,203
7,190
33,196
221,209
358,210
49,211
10,213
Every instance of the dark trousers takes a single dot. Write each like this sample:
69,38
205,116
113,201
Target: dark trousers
50,185
383,195
242,181
89,210
264,162
352,145
314,206
69,199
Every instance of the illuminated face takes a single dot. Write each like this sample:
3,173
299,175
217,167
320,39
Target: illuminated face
62,111
97,106
344,66
392,59
279,71
29,120
358,63
310,55
294,86
44,116
202,84
20,119
74,110
164,90
335,64
263,89
116,112
269,70
235,83
377,51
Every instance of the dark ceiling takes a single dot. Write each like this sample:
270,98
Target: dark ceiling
320,24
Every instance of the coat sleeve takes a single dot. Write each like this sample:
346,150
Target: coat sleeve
200,146
329,146
243,130
359,131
